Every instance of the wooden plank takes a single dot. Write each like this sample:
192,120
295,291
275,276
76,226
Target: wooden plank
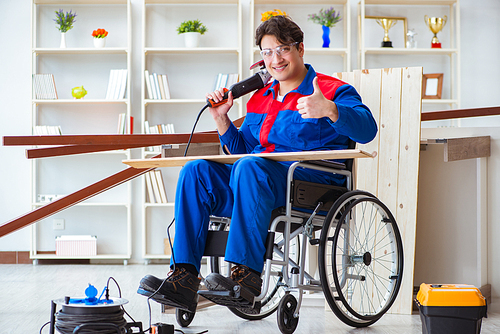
71,199
143,139
460,113
366,175
229,159
407,185
389,137
467,148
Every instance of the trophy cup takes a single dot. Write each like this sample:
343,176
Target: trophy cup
435,24
386,24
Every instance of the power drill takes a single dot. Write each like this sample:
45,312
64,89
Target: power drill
256,81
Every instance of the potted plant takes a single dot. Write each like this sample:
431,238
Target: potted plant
65,23
327,18
192,29
99,37
270,13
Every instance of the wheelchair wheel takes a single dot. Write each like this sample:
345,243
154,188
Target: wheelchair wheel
361,258
275,292
287,323
184,318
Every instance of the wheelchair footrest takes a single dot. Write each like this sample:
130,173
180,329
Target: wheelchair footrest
162,299
237,298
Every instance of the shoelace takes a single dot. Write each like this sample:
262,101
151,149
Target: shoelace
237,271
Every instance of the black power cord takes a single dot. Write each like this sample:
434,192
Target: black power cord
172,258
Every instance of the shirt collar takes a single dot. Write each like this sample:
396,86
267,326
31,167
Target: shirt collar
305,88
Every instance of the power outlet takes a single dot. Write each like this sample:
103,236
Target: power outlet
58,224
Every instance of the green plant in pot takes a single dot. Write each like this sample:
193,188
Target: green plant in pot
192,29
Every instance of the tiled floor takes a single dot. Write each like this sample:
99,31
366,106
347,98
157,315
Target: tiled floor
27,290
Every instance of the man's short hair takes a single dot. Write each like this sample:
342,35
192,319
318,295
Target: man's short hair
283,28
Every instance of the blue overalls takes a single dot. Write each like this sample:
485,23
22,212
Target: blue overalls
251,188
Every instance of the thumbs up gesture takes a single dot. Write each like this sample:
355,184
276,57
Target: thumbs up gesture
317,105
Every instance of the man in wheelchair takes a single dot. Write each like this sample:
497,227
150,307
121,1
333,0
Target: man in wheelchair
301,110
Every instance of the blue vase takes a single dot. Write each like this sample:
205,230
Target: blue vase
326,36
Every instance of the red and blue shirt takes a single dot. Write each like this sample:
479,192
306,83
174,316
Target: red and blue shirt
274,126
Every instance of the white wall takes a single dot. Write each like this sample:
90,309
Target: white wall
480,83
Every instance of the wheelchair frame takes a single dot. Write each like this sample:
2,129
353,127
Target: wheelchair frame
342,212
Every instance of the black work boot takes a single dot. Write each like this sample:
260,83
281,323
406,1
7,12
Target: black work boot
179,290
241,275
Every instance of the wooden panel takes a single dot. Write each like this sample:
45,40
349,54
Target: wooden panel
370,90
389,137
407,185
466,148
229,159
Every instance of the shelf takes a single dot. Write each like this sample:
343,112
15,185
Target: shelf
299,2
105,50
95,257
79,101
80,2
411,2
149,205
404,51
191,50
318,51
439,101
183,2
38,204
156,257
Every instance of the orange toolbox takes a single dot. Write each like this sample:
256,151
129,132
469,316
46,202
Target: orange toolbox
450,308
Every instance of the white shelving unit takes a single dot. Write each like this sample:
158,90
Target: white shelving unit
445,60
191,73
336,58
107,215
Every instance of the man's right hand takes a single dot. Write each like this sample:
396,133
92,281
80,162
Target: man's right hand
219,113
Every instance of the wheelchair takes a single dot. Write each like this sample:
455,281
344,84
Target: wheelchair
360,255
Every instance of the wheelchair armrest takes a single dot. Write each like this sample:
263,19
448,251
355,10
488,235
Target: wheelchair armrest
327,163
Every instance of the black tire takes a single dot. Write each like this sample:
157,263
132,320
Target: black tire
275,292
360,259
287,323
184,318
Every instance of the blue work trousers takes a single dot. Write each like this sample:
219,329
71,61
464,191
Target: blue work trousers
246,191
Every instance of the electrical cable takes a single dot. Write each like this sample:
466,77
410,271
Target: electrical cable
67,322
172,257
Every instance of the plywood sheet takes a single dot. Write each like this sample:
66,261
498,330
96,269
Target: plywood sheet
229,159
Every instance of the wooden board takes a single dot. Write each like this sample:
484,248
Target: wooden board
229,159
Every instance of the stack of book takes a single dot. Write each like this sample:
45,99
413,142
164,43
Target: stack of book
157,129
155,187
117,85
225,80
47,130
157,86
44,87
125,127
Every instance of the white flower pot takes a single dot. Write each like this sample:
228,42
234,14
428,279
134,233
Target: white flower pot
63,40
192,39
99,42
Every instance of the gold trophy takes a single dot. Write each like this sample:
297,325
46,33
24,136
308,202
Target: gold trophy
435,24
386,24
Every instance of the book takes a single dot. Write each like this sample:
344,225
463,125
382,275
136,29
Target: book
162,89
111,85
122,84
161,186
149,188
156,189
153,86
148,85
166,86
44,87
157,87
